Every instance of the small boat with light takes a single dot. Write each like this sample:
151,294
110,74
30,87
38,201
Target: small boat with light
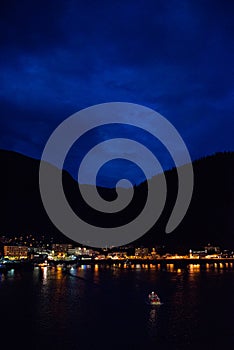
154,299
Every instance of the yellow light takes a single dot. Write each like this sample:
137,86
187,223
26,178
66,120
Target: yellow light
170,267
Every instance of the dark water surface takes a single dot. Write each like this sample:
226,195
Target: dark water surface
49,309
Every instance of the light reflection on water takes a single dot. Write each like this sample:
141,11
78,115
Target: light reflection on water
152,322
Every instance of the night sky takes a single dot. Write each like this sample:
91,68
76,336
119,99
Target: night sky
58,57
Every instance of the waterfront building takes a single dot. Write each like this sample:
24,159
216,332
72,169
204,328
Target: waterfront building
61,247
141,252
209,249
15,252
78,251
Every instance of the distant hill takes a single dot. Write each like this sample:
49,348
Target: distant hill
209,217
210,214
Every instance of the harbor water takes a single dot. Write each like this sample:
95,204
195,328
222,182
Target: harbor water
105,307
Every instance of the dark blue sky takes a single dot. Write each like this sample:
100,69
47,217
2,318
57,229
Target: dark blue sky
58,57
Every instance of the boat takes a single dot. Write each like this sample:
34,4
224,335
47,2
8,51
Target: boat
154,299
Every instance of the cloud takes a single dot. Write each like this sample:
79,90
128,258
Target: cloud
58,57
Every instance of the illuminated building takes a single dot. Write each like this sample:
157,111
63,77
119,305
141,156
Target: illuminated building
141,252
81,251
15,252
58,248
209,249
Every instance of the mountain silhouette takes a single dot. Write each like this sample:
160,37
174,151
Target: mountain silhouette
209,217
